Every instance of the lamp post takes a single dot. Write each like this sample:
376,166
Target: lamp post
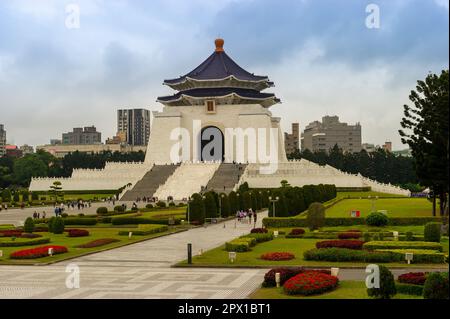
373,203
239,203
274,200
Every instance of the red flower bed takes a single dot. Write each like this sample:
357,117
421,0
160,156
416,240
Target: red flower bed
259,231
350,244
310,283
297,231
37,252
77,232
98,242
10,233
286,273
349,235
414,278
277,256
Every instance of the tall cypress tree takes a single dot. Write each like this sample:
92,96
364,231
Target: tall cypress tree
425,129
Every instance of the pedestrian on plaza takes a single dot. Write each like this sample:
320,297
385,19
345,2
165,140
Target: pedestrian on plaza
43,215
34,215
254,219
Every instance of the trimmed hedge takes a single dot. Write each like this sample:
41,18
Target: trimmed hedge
349,244
32,242
421,256
280,222
372,245
240,245
141,220
408,289
432,232
80,221
343,254
145,230
260,237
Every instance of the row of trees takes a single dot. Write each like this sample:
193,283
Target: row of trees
17,172
379,165
288,201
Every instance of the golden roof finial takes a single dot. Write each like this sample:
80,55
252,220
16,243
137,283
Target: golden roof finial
219,45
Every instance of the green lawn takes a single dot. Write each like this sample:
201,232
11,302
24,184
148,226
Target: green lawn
364,194
70,242
219,256
395,207
347,290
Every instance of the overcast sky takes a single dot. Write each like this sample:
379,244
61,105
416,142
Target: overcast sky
320,54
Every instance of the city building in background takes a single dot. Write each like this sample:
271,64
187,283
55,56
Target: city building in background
2,140
135,125
369,148
55,141
292,141
61,150
13,151
82,136
323,136
26,149
387,146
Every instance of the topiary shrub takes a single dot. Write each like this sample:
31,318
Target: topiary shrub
149,206
119,208
102,211
409,236
195,211
387,287
58,225
315,217
377,219
172,204
28,226
50,224
161,204
436,286
432,232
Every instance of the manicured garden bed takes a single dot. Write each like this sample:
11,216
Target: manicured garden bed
347,289
78,246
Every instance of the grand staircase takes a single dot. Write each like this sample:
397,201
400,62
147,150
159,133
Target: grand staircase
225,177
148,185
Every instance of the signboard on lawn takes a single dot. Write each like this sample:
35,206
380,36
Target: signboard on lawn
355,213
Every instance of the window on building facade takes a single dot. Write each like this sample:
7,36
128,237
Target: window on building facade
210,106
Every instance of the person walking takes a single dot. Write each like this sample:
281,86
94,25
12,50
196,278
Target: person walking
254,220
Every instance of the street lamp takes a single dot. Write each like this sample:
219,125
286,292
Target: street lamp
220,204
189,210
373,203
274,200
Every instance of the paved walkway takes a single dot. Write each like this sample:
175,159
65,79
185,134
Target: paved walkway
143,270
140,270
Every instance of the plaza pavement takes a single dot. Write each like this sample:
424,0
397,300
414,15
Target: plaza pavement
142,270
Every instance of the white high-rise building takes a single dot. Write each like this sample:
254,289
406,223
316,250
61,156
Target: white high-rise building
2,140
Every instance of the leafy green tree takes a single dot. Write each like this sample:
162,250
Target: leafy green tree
28,226
234,202
210,205
6,195
425,128
224,205
196,209
387,287
27,167
315,217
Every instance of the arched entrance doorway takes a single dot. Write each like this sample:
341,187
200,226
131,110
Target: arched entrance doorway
211,144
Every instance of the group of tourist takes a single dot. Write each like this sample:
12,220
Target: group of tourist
245,216
78,204
37,215
4,206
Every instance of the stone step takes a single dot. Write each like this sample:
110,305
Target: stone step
148,185
226,177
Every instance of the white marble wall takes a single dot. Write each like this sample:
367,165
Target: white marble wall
113,176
